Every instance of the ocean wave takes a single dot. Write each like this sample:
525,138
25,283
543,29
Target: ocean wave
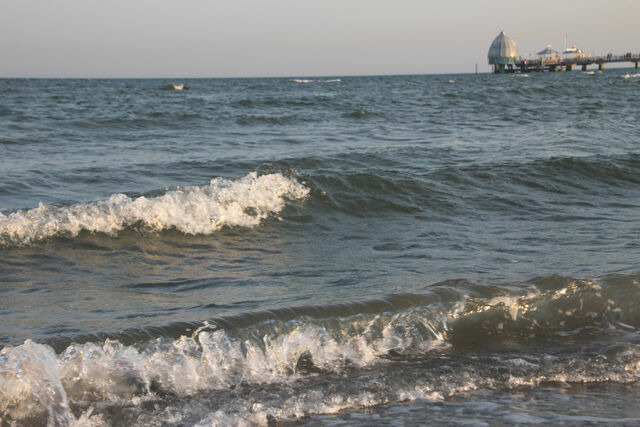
553,308
7,141
252,120
209,360
175,86
359,193
452,189
299,100
319,80
361,114
191,210
455,338
576,172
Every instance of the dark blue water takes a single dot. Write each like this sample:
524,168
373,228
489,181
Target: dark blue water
354,250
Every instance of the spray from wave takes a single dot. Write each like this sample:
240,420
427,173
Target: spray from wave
192,210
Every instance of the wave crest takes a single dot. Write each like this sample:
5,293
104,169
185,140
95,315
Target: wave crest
192,210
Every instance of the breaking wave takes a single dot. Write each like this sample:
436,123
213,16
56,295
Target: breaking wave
192,210
457,335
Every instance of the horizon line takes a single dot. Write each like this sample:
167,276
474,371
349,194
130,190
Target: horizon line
320,76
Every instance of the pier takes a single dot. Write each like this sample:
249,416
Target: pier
503,55
569,64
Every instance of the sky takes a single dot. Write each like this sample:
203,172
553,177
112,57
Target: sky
269,38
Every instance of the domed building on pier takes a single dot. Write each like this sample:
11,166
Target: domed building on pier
502,53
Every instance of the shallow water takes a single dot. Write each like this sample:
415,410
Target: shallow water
349,250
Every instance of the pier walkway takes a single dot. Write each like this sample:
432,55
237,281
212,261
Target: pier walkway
568,64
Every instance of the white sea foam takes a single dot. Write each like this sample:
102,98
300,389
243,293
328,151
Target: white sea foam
631,76
301,80
192,210
312,402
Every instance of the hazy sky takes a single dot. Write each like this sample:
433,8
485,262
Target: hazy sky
241,38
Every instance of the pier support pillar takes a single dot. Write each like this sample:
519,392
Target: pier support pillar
601,66
584,67
637,64
569,67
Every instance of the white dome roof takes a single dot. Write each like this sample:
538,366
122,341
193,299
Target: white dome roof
503,50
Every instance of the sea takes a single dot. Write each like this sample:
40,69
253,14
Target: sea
341,251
